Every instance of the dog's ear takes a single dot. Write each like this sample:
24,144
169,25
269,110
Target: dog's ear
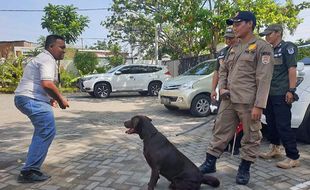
148,118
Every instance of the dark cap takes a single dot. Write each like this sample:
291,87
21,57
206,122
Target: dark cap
242,16
229,33
272,28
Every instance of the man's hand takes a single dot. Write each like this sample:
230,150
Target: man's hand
224,94
63,104
223,91
213,95
256,113
289,98
53,92
53,103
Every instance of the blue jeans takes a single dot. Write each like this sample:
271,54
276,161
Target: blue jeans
42,118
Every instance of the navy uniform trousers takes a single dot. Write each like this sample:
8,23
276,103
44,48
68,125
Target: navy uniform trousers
278,116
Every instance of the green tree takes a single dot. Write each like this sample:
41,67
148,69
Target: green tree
85,62
117,58
190,27
269,11
134,22
68,79
64,20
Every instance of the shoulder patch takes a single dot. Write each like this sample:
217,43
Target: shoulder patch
290,50
266,58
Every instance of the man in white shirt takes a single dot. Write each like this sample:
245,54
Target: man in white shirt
34,97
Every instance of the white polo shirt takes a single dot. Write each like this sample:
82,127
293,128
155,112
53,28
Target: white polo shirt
42,67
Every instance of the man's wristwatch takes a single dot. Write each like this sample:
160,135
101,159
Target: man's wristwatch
292,90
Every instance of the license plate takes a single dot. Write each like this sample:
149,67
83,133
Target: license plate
164,100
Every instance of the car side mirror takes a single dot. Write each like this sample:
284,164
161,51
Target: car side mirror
118,72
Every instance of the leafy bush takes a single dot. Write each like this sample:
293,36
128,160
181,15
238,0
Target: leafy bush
85,62
68,90
67,79
303,52
7,90
11,72
116,60
103,69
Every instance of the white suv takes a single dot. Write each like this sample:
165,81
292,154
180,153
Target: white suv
145,79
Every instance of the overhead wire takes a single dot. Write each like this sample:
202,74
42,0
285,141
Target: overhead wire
41,10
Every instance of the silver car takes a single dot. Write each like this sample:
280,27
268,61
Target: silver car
190,91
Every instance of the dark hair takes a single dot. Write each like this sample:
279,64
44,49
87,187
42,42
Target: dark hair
50,39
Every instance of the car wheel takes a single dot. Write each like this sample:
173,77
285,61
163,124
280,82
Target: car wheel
92,94
102,90
154,88
200,106
172,108
143,93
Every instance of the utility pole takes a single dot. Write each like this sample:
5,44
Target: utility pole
156,36
132,54
156,44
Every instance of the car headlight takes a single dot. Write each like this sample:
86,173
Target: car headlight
188,85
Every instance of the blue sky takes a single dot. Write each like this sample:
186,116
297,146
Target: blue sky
27,25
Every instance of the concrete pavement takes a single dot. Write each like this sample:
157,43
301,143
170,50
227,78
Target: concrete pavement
92,151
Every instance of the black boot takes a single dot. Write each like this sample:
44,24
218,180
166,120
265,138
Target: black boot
209,165
243,175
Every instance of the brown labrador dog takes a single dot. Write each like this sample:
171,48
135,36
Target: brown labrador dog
165,159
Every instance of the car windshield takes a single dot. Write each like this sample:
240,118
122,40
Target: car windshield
204,68
114,69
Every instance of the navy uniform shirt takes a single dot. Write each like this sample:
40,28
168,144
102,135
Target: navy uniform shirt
285,55
221,57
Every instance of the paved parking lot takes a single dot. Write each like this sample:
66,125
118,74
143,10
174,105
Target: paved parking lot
92,151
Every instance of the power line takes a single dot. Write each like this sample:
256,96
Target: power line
40,10
92,38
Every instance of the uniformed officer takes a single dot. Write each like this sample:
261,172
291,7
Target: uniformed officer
280,99
230,40
246,75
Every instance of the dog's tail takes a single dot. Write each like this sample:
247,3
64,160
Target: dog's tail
210,180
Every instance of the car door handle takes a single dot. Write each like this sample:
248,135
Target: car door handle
131,77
